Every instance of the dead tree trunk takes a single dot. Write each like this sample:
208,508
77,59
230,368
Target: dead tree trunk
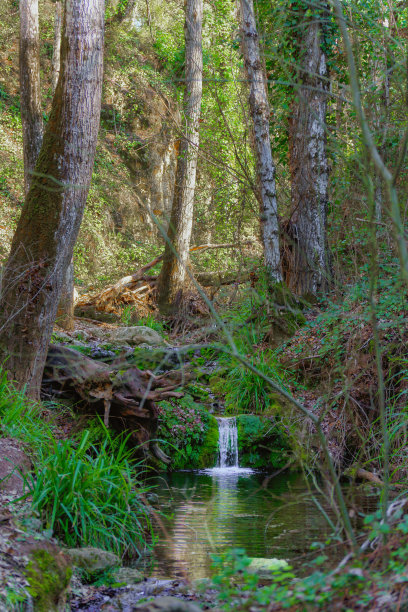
308,162
259,109
172,275
48,227
30,90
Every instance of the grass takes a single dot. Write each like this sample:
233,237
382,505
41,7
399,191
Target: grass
87,491
88,495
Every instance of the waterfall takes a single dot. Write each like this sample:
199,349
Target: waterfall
228,442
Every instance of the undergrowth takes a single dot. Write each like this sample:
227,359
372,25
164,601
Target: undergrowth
86,491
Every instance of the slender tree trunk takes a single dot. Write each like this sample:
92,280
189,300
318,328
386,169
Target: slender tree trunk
65,313
30,89
172,275
259,109
308,163
48,227
56,53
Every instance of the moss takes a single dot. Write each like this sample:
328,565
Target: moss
48,577
209,449
262,442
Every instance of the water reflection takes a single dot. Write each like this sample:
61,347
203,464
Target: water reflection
215,510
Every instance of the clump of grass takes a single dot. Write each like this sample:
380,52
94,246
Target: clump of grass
89,495
245,391
86,490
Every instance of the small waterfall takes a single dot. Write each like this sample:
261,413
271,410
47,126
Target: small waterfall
228,442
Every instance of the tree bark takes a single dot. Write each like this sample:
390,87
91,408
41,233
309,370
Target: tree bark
48,227
56,53
259,109
30,89
172,275
308,163
65,314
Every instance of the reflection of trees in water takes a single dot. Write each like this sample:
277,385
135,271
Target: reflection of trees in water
213,513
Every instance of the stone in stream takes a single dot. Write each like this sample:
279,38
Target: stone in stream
264,568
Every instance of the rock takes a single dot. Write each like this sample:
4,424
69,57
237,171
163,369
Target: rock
48,574
136,335
14,464
128,575
264,568
168,604
93,559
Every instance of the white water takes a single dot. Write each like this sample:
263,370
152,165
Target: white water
228,461
228,442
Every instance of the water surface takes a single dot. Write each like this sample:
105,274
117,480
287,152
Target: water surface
215,510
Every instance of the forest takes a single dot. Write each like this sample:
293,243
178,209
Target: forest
203,315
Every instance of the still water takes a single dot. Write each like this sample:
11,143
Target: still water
215,510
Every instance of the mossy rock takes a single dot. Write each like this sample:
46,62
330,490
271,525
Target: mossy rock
48,574
262,442
209,449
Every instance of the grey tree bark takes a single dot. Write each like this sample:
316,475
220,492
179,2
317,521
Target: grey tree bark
30,88
308,163
48,227
65,313
259,109
56,52
173,272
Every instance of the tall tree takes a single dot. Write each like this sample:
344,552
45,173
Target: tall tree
259,109
30,88
172,275
308,159
56,52
48,227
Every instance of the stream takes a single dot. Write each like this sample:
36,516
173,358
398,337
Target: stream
214,510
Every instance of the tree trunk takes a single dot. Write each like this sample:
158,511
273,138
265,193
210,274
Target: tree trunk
30,90
48,227
172,275
308,163
259,109
65,312
56,53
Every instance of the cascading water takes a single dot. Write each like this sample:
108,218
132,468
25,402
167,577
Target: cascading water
228,442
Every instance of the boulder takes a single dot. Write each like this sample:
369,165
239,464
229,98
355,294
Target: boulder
264,568
127,575
139,334
93,559
14,464
168,604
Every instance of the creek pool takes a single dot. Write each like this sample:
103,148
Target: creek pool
211,511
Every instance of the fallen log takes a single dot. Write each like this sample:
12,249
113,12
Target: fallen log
122,394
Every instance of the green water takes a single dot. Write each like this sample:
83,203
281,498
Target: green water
215,511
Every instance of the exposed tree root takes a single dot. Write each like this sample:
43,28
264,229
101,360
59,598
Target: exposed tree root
124,395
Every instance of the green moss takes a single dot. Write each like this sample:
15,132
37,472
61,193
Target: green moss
209,449
262,442
48,577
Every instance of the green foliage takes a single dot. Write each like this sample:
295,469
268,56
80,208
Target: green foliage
89,495
190,432
246,391
262,442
